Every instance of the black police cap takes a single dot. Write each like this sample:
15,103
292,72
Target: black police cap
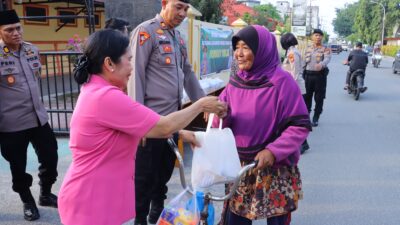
8,17
318,31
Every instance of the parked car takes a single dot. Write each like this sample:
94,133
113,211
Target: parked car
335,48
345,47
396,63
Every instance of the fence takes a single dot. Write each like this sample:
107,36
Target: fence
58,89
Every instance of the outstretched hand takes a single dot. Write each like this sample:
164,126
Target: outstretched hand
211,104
189,137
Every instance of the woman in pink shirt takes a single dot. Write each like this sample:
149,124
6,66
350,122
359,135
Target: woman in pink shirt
106,127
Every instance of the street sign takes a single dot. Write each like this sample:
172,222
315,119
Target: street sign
299,30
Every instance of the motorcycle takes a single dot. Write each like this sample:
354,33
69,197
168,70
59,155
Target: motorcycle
356,86
376,60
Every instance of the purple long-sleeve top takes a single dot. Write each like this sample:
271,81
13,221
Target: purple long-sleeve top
272,115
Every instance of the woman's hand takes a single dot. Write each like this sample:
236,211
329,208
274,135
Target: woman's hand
265,158
189,137
211,104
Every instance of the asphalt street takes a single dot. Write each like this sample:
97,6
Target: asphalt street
351,174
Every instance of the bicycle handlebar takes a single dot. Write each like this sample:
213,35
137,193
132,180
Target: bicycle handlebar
232,190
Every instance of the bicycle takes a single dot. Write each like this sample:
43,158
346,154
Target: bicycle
208,197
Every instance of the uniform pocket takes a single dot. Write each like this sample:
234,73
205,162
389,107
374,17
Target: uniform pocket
10,75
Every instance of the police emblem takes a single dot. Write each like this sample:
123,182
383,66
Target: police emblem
143,37
6,49
167,60
10,80
29,52
167,48
162,37
35,65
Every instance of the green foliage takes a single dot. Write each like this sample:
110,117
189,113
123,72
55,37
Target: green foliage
210,10
248,18
268,11
390,50
326,37
392,16
264,15
367,22
343,24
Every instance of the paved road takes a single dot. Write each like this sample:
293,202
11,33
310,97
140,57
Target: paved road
351,175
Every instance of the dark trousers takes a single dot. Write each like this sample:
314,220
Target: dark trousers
233,219
14,147
154,166
348,76
315,87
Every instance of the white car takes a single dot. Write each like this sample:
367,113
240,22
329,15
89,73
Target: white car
345,47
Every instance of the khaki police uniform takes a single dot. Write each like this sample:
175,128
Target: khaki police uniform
316,80
161,70
23,118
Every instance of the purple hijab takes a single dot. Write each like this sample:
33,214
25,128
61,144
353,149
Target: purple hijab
263,46
266,108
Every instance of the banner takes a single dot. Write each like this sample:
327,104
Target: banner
299,17
216,50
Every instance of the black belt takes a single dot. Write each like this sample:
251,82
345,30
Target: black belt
310,72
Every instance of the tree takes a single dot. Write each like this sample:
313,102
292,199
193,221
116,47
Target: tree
248,18
344,22
392,16
267,15
210,10
368,22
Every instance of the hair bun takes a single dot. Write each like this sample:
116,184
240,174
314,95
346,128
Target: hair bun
81,73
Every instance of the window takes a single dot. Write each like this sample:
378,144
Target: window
96,20
70,22
36,10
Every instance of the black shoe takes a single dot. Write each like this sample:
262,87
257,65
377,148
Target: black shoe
140,221
363,89
155,211
31,212
304,147
49,200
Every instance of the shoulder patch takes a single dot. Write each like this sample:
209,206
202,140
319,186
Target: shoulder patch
143,37
291,57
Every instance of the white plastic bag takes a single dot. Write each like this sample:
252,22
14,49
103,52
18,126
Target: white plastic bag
217,160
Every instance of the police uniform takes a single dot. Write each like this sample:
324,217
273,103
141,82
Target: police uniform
316,80
23,118
161,71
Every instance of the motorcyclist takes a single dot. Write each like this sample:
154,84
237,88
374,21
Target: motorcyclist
376,52
358,59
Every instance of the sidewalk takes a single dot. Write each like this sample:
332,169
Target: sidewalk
11,207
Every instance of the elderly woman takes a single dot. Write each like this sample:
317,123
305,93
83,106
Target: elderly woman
106,127
294,65
269,120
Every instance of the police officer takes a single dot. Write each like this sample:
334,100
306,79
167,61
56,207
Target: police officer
161,71
23,118
316,72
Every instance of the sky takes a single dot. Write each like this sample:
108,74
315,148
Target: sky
326,11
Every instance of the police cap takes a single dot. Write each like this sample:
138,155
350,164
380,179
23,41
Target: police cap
8,17
318,31
185,1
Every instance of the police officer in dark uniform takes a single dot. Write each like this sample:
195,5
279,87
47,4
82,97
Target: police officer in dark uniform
316,72
23,118
161,71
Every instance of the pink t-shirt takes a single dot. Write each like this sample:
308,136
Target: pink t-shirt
106,127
